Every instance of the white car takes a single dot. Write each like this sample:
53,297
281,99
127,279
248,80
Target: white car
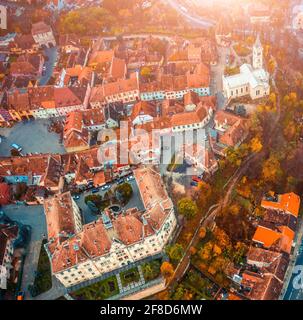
130,178
105,187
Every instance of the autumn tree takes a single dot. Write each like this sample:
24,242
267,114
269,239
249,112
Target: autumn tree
187,208
256,145
271,170
273,99
167,270
124,192
202,233
145,72
290,131
192,250
204,194
271,65
175,251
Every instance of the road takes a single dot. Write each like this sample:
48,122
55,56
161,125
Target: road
195,21
34,217
52,54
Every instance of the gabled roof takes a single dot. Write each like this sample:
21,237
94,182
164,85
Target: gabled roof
265,236
69,96
118,68
4,194
101,57
189,118
7,233
25,41
144,108
40,27
59,216
279,238
288,202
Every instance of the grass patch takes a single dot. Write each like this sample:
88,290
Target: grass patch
98,291
43,278
151,270
129,276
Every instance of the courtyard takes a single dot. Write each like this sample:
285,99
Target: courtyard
33,136
134,202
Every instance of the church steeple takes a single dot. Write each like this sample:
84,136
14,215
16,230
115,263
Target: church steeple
258,54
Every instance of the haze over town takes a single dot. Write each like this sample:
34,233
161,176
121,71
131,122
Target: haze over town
151,149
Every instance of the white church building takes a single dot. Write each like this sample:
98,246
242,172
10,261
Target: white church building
252,80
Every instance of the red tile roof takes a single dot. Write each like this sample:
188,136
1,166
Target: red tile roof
189,118
40,27
5,194
59,216
288,202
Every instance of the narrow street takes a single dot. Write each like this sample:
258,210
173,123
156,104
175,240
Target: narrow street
51,54
34,217
194,20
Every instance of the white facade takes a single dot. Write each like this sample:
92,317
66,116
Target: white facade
6,264
257,55
120,253
297,22
194,126
125,97
46,39
3,17
45,113
119,256
252,80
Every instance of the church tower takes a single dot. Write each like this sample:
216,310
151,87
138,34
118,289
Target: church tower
258,54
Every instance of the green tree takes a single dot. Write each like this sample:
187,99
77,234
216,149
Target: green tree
124,192
95,198
187,208
179,293
175,251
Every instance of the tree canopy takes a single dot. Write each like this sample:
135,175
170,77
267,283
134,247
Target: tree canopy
187,208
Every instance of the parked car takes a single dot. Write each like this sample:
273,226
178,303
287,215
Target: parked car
105,187
196,179
121,180
130,178
95,190
76,197
194,184
16,147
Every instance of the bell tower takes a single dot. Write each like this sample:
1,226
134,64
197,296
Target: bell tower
258,54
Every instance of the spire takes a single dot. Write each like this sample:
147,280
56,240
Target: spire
258,54
258,42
